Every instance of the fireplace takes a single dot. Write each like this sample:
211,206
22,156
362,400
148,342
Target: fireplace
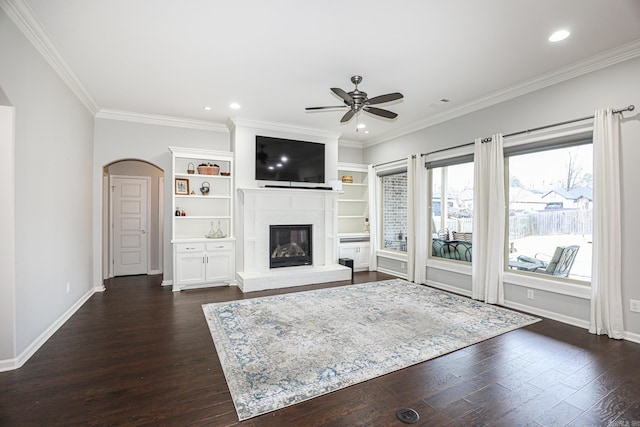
290,245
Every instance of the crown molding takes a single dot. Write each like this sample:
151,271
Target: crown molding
611,57
349,143
151,119
282,127
24,18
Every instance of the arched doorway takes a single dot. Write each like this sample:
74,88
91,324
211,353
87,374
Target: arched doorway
132,218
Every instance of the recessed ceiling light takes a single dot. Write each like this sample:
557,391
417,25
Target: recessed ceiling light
366,131
559,35
234,105
207,108
361,126
444,100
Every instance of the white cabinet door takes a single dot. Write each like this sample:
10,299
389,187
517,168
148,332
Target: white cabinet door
347,252
220,258
361,261
219,266
358,252
190,269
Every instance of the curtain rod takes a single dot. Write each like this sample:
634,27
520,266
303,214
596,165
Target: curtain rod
389,162
413,156
620,111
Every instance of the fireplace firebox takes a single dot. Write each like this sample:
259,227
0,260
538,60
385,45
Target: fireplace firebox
290,245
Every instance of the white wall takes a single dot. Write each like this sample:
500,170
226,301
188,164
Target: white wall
7,233
349,154
616,86
53,164
118,140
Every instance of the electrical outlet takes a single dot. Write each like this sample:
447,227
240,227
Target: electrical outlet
68,287
403,265
634,305
530,293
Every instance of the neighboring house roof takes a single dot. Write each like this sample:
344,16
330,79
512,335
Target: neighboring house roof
573,194
520,195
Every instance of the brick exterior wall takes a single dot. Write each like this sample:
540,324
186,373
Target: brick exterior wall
394,211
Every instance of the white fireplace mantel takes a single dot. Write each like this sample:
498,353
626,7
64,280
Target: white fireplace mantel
261,207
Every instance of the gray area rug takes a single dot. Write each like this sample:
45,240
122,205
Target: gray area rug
280,350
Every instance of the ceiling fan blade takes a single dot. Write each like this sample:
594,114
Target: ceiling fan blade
380,112
324,108
347,116
342,94
385,98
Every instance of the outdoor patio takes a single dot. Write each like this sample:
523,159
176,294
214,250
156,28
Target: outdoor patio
532,245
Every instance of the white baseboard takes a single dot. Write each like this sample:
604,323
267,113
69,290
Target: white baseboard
393,273
10,364
517,306
630,336
154,272
167,283
574,321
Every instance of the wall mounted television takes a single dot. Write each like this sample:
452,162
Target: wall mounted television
288,160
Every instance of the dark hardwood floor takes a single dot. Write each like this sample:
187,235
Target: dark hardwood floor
139,354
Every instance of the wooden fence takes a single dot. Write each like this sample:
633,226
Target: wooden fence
539,223
543,223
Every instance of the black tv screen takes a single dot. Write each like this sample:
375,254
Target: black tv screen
279,159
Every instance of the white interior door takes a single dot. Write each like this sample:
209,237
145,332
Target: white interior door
130,238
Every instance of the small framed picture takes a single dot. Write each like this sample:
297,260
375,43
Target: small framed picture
182,186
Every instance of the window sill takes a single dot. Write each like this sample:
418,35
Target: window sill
568,287
454,266
395,255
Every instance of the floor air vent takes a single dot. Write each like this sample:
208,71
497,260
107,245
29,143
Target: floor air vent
407,415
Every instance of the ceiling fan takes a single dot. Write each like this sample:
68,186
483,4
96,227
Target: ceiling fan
357,100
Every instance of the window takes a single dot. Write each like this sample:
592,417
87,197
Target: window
452,211
394,211
550,193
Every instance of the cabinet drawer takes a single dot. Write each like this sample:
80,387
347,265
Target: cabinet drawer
219,246
190,247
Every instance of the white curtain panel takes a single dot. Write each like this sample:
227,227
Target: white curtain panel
420,219
606,270
418,244
374,205
411,218
488,221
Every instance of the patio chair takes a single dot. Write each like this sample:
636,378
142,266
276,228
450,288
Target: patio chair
457,250
465,237
560,263
444,234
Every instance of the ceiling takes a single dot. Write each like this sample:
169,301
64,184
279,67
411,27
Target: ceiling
172,58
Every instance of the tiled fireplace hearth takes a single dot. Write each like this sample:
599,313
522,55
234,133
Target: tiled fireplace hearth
262,208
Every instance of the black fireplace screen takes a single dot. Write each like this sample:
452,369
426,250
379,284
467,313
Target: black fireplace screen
290,245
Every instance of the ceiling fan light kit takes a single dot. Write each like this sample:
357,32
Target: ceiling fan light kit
357,101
